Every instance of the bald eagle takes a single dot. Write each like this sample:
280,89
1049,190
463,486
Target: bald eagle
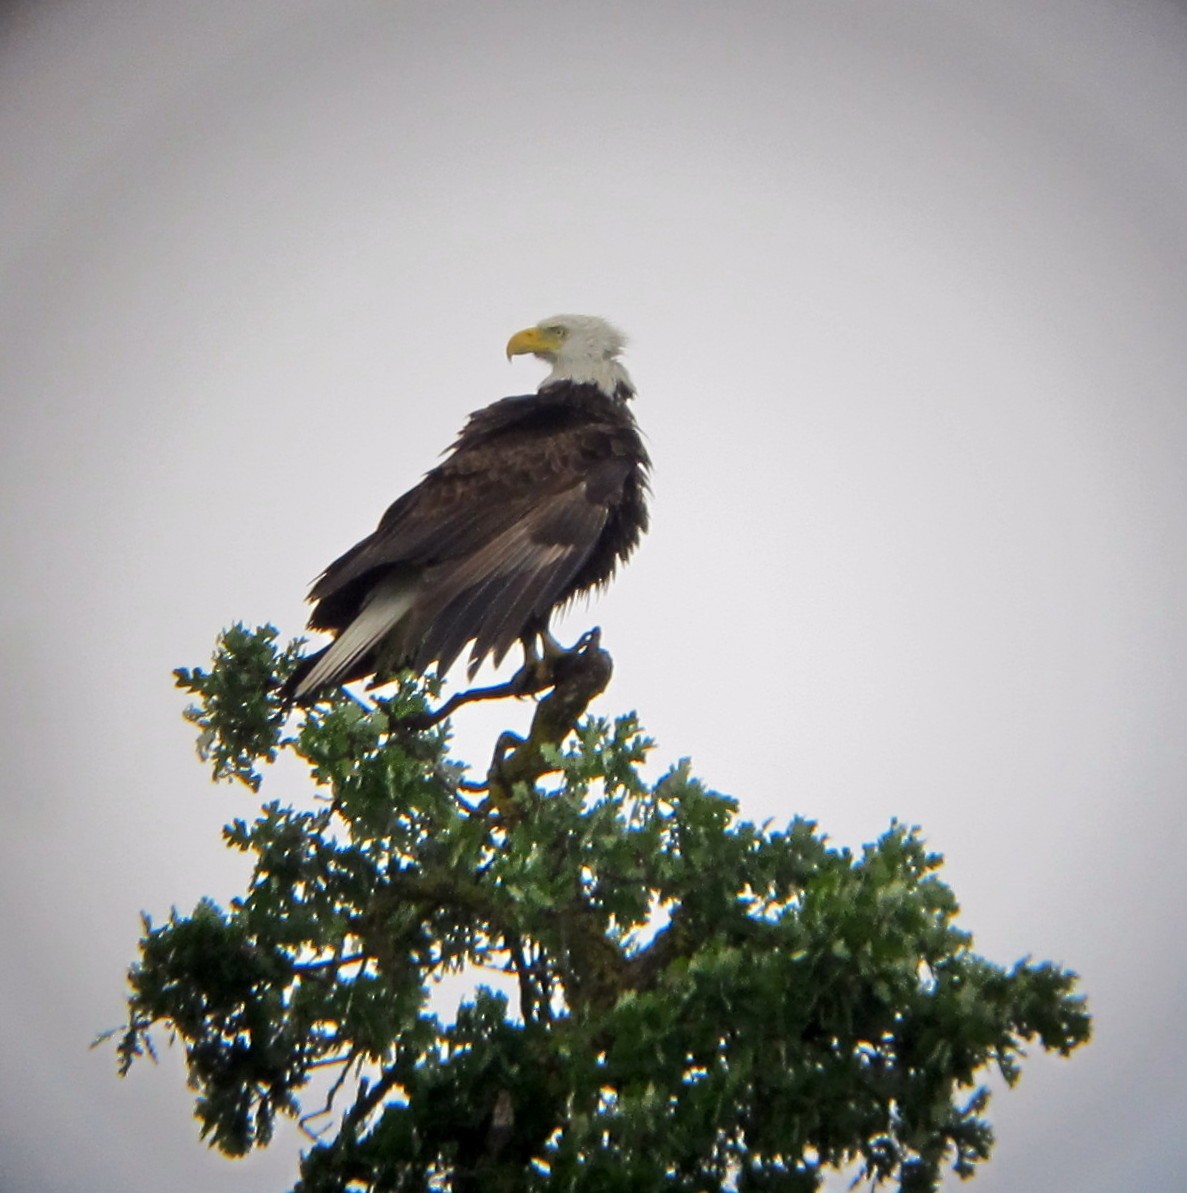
540,499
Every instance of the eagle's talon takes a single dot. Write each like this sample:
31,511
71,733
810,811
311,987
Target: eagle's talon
590,640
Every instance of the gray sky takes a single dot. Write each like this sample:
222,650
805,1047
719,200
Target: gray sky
905,290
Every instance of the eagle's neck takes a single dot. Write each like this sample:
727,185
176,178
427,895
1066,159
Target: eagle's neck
608,374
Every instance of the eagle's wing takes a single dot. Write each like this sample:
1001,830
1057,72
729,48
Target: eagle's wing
491,484
491,593
442,518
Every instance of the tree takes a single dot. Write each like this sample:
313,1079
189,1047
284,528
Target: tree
698,1002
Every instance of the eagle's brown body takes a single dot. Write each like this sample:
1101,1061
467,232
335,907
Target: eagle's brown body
540,499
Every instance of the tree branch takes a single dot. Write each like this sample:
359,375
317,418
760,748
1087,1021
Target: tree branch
576,677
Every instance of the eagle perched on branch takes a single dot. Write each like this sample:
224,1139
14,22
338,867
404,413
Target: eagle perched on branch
540,498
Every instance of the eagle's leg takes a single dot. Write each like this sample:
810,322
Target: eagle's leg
536,672
544,656
551,647
540,652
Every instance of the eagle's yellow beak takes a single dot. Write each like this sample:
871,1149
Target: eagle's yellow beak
535,340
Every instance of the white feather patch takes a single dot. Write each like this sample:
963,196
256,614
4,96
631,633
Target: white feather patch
385,608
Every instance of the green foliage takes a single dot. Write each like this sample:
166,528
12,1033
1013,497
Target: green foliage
240,712
702,1003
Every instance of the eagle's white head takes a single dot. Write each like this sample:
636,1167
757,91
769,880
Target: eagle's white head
581,348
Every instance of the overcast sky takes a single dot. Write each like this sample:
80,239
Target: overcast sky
905,289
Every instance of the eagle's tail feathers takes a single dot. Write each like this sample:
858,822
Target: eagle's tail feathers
386,607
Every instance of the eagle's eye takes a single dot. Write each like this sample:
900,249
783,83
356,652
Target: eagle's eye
558,331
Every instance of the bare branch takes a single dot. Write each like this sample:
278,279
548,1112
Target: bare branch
347,1062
